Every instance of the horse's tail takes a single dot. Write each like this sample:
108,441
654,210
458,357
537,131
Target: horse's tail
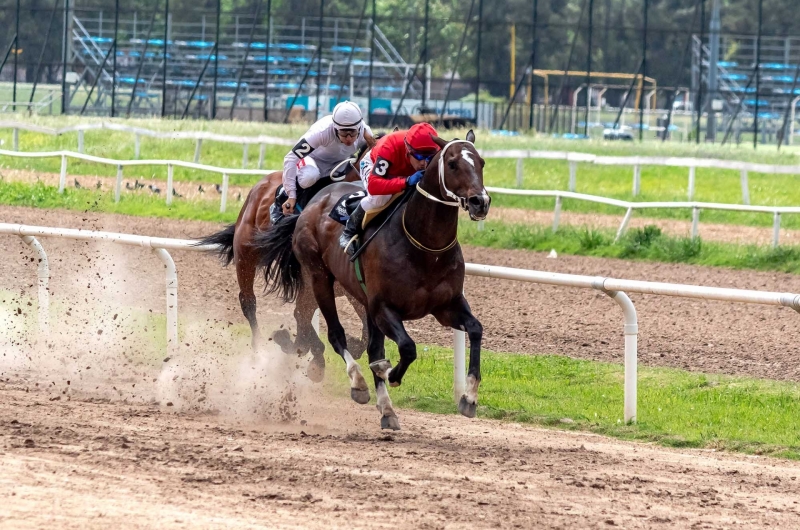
223,241
281,268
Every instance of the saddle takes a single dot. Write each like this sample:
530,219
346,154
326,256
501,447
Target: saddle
347,204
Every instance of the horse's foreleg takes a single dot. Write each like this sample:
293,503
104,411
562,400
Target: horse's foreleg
376,353
458,316
322,284
245,276
389,322
357,346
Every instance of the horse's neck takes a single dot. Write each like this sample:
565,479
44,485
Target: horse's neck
433,224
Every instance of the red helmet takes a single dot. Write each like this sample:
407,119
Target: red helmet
419,138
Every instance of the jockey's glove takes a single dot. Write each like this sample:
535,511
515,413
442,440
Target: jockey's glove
413,179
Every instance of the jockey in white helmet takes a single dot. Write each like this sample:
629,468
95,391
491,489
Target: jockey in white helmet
328,142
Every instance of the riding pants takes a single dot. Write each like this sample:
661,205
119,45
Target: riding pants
370,202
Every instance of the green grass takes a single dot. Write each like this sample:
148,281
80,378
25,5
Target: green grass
658,183
675,408
647,244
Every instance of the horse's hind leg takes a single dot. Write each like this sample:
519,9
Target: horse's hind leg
322,283
307,338
245,276
376,353
358,346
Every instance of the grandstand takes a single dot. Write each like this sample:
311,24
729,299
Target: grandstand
288,66
778,87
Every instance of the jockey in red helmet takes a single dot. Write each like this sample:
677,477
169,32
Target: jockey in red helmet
397,161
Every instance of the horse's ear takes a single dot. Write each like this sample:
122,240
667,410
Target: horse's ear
396,128
441,143
471,136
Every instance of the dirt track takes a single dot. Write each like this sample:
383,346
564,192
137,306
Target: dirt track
128,462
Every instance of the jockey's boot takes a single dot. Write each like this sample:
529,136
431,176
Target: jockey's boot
352,231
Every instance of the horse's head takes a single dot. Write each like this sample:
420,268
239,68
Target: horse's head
459,171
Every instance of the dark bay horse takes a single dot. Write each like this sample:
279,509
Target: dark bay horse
413,267
237,243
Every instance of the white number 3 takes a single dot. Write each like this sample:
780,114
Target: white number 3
381,167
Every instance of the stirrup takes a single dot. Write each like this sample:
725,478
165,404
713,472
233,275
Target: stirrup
351,246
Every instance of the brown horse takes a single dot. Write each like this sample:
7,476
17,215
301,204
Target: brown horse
236,243
412,268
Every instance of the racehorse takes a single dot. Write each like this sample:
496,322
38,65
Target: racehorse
236,243
413,267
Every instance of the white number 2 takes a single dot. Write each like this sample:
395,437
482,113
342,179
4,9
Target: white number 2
381,167
302,149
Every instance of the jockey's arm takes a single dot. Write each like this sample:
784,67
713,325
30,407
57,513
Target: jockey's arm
381,183
368,137
313,139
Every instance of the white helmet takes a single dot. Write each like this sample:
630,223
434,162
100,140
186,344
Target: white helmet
347,115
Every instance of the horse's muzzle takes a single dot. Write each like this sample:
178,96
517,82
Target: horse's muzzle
478,206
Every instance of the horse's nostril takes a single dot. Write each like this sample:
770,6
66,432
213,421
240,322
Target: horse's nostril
476,200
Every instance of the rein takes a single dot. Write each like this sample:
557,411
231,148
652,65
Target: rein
423,247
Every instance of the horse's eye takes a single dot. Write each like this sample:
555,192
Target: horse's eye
452,163
483,162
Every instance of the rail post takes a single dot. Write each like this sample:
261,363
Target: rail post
262,154
692,176
137,146
62,178
573,174
745,187
776,228
224,201
637,179
80,141
172,298
43,272
170,175
557,213
695,222
15,139
623,225
519,172
244,155
118,187
198,144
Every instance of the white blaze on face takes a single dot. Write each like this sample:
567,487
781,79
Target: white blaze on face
466,155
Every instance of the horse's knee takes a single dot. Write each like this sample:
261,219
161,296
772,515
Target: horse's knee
474,329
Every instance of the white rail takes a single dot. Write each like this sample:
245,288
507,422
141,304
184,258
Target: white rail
630,207
171,164
638,161
138,132
612,287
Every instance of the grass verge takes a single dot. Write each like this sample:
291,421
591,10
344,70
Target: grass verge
676,408
647,243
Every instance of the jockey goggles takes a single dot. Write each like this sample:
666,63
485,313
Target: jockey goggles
420,155
347,133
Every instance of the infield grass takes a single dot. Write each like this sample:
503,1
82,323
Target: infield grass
657,183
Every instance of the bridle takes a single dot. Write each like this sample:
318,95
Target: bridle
458,201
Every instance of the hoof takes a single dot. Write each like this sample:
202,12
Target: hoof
381,368
359,396
390,422
395,384
467,409
315,372
284,340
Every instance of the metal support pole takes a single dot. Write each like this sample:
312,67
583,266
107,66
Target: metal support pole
41,55
164,68
631,330
745,187
216,63
224,201
699,103
80,139
62,178
588,69
623,225
244,60
111,50
372,62
637,179
141,61
532,103
425,56
15,139
114,62
690,192
478,61
16,55
266,65
262,153
319,57
758,74
713,59
573,175
64,45
644,70
695,222
458,59
118,187
137,146
520,166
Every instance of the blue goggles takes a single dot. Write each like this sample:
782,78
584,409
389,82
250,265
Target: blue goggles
421,157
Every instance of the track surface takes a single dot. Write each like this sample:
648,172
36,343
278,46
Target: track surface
79,460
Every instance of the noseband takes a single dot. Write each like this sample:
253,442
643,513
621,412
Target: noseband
458,201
